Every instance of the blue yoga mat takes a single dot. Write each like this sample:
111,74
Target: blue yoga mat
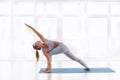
79,70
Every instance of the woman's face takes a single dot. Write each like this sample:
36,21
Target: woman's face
37,45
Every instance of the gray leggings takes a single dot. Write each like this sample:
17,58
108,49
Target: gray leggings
61,48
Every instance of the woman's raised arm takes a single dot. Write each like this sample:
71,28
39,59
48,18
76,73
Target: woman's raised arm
38,34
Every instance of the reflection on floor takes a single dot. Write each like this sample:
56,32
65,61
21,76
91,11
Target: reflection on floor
28,70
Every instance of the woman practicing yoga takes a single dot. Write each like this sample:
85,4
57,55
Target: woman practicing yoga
50,48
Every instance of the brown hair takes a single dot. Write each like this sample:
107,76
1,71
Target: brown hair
35,47
37,55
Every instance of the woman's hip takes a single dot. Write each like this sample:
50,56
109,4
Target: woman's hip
61,48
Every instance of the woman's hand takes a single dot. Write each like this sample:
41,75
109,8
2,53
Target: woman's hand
47,70
36,32
27,25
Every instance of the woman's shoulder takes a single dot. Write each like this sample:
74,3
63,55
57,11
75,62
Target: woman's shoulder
48,41
51,41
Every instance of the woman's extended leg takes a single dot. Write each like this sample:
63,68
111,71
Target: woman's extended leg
71,56
63,49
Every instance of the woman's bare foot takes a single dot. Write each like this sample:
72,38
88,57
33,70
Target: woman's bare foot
87,69
48,70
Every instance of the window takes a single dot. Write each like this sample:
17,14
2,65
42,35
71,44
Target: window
88,28
70,8
5,37
115,8
71,27
5,8
23,37
49,25
97,27
97,8
23,8
115,36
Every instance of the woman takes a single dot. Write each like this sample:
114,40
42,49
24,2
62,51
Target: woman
50,48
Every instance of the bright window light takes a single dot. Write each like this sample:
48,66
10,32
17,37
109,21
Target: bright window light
71,27
48,27
70,8
23,8
97,27
97,8
5,8
51,8
23,37
40,8
5,37
86,27
115,8
115,27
